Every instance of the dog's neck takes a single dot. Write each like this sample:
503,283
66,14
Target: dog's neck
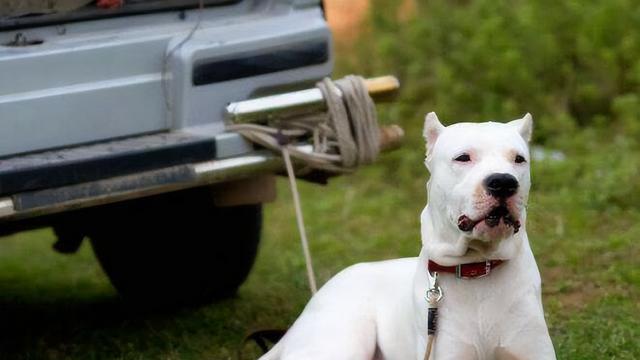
445,244
440,241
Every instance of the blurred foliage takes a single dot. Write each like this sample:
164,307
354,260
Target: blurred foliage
571,63
575,65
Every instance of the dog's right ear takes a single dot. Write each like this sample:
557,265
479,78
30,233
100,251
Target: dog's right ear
432,129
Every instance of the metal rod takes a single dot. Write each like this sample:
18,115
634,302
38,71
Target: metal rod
382,88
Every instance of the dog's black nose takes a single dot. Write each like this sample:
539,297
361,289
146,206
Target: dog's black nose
501,185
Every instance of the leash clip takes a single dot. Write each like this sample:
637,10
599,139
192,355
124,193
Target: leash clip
435,293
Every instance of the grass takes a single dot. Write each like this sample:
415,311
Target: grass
56,306
584,218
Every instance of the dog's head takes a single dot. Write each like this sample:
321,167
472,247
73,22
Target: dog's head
479,181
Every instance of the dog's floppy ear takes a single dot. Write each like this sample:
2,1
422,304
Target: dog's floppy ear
432,129
524,126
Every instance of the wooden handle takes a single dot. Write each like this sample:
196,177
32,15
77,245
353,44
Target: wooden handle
383,88
391,137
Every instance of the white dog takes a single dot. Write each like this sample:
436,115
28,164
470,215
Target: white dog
491,308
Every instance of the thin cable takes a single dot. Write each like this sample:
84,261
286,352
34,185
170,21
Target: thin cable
300,220
169,54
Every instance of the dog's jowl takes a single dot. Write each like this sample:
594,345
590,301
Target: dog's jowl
473,237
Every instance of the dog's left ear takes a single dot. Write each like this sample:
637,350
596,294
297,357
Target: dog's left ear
524,126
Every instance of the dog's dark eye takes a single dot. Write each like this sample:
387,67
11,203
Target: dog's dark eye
520,159
463,158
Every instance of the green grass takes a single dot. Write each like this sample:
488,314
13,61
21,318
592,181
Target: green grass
574,65
56,306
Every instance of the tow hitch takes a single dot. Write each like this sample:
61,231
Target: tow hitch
338,119
299,120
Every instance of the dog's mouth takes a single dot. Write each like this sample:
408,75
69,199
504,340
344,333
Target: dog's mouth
492,219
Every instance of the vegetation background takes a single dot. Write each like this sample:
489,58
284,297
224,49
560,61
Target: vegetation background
574,64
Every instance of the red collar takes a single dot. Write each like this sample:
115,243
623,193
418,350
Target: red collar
466,271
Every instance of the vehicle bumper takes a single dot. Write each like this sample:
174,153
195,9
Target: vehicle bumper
65,198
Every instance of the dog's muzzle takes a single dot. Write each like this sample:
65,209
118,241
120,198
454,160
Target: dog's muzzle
492,219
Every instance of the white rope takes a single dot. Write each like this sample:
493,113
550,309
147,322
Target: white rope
343,138
311,277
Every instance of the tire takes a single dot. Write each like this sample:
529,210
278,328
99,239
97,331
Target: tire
176,248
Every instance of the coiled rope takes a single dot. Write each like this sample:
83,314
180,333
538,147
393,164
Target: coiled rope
343,138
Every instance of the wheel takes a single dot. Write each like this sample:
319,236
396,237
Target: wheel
176,248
